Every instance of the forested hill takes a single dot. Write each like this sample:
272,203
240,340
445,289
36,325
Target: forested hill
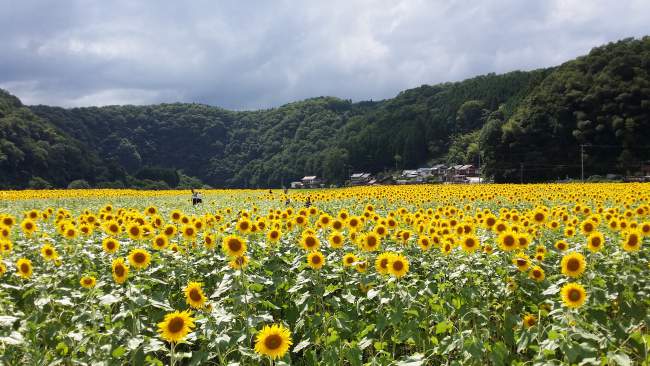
537,118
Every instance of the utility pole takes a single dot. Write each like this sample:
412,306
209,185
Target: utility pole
582,163
479,160
521,173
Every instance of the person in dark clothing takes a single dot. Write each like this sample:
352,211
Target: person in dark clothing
308,202
196,198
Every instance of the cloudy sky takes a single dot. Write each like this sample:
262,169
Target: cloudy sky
258,54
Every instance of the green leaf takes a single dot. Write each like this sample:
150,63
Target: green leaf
118,352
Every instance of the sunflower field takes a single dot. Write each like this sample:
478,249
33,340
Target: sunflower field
395,275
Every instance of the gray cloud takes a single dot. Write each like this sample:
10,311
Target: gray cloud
258,54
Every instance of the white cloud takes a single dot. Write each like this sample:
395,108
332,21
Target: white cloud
258,54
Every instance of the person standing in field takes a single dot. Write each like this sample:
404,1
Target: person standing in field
196,198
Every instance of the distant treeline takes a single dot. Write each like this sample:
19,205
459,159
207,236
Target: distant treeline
536,119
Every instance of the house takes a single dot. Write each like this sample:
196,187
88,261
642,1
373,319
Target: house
361,179
439,169
295,185
311,181
425,172
410,174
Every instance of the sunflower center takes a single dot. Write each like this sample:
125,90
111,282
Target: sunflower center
24,268
372,241
537,273
273,341
310,241
160,242
384,263
573,264
176,325
406,236
521,262
595,241
48,252
574,295
88,281
469,243
234,245
139,257
633,240
350,260
398,265
134,230
243,225
274,234
509,241
315,259
539,217
195,295
119,270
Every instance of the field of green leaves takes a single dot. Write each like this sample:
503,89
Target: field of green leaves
410,275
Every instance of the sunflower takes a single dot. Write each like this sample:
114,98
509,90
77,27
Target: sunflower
176,326
209,240
189,232
595,241
139,258
120,270
508,241
273,341
274,235
110,245
522,261
470,243
176,215
382,262
233,246
370,242
160,242
24,267
537,273
315,260
28,226
336,240
523,241
362,265
561,245
349,259
49,253
398,265
134,231
573,295
587,227
529,321
8,221
632,241
573,264
238,262
3,268
112,228
309,242
169,230
244,225
88,282
424,242
194,295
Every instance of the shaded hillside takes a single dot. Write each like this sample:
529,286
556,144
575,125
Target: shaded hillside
601,100
536,120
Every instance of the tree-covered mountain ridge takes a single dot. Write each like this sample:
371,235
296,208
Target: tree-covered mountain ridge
533,119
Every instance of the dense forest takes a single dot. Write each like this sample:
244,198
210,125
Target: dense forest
535,120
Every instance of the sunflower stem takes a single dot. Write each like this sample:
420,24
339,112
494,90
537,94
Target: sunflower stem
172,354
